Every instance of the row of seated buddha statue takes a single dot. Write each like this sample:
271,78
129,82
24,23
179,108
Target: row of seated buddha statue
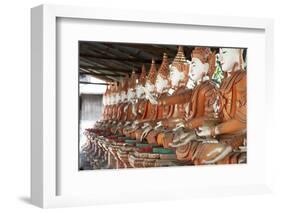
176,115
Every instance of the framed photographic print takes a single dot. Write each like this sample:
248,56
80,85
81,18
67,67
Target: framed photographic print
148,106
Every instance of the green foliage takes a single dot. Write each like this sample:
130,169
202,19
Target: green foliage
218,74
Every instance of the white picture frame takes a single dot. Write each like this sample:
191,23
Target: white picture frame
44,153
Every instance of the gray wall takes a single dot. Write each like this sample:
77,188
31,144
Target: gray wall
90,107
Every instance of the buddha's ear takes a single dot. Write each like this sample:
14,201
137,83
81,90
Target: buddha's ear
212,64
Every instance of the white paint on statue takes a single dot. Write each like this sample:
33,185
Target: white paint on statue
176,76
140,92
149,90
161,84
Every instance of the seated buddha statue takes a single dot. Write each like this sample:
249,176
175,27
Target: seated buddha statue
115,147
200,109
121,115
104,118
179,70
121,112
149,104
108,106
154,112
140,104
130,108
151,95
112,101
116,101
141,94
163,111
231,131
105,103
151,154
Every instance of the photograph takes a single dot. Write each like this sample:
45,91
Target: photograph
161,105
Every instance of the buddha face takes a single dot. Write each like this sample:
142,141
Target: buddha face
228,58
131,94
139,91
117,98
150,87
176,76
113,99
161,84
123,96
109,99
197,69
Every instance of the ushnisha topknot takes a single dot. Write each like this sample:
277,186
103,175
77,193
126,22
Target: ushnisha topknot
152,72
180,57
164,71
124,83
115,87
133,80
202,53
142,78
180,61
106,90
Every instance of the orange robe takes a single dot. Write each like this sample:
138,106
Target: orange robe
233,104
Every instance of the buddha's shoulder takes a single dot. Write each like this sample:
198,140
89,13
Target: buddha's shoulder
241,80
207,87
237,79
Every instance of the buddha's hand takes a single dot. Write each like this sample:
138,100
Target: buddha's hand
159,124
178,126
203,131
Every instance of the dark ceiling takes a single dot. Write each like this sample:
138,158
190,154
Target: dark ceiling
112,61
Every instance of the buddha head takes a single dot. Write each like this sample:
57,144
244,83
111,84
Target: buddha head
131,94
151,78
117,98
141,83
123,96
199,63
109,97
109,100
162,79
118,93
124,88
179,69
231,59
113,94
